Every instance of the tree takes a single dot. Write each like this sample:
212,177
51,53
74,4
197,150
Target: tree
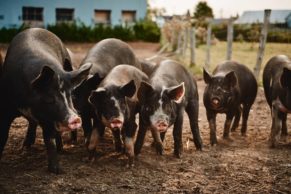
202,12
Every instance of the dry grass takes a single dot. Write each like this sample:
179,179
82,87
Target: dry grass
242,53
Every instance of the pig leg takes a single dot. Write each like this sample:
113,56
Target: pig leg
129,132
53,161
140,137
211,117
5,122
59,141
177,134
192,112
94,139
276,125
117,140
229,118
158,141
30,135
245,116
236,119
284,132
163,136
87,126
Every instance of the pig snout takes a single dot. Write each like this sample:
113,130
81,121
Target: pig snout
215,102
161,126
74,122
116,123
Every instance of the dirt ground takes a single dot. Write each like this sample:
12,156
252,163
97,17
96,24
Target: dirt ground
238,165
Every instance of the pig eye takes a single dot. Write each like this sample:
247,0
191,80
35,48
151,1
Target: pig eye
147,109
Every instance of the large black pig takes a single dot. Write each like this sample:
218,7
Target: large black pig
230,86
277,87
116,105
105,55
37,87
171,90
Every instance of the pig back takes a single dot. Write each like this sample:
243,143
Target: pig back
109,53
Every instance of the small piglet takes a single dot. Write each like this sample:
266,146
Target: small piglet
116,105
171,90
104,56
277,87
230,86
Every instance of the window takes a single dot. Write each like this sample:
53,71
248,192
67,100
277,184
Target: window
32,14
128,16
1,17
64,15
102,17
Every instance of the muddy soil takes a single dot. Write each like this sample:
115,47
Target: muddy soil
238,165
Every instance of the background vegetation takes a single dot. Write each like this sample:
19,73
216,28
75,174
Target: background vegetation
144,30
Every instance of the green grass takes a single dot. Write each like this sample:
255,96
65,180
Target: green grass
241,52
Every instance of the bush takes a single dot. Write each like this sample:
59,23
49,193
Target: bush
6,35
251,33
147,30
79,32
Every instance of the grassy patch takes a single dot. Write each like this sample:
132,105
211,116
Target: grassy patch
241,52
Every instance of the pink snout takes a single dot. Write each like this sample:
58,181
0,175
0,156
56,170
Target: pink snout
161,126
74,122
215,102
116,123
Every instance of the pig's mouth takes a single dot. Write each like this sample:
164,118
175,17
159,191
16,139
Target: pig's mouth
161,127
71,125
216,105
116,123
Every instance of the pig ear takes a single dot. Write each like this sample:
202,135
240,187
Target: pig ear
129,89
96,96
44,78
206,76
94,81
230,79
79,75
285,78
144,89
176,93
68,65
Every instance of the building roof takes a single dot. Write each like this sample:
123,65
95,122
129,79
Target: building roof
249,17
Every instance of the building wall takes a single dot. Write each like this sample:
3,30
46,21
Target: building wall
83,10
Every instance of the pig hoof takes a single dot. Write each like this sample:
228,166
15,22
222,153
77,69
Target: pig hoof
177,154
55,169
159,149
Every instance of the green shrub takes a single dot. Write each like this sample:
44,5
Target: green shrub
6,35
79,32
147,30
251,33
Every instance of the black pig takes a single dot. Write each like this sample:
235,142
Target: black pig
37,87
105,55
116,105
277,87
170,91
230,86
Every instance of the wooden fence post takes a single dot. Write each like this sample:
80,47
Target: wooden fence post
173,40
208,43
185,43
229,38
263,39
192,46
178,50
